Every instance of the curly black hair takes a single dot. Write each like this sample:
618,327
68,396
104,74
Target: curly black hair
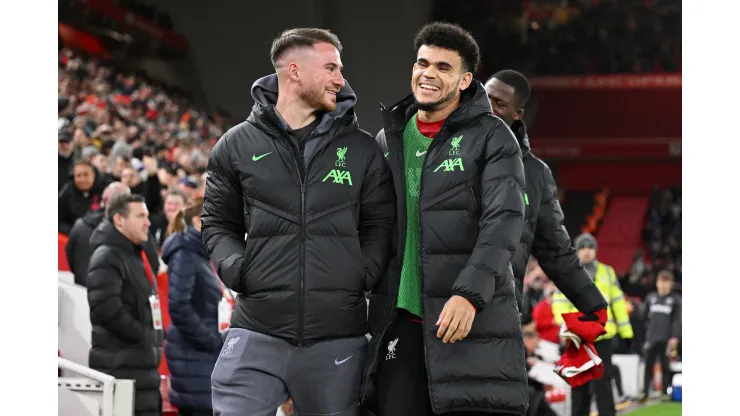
453,37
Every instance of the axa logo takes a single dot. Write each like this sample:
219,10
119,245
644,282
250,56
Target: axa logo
340,175
449,165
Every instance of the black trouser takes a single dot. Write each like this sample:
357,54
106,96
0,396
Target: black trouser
402,384
602,388
538,405
616,375
653,351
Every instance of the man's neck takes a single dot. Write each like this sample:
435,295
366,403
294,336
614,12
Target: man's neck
440,114
294,111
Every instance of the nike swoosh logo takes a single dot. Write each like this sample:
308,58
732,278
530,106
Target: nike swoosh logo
256,158
343,361
386,154
420,154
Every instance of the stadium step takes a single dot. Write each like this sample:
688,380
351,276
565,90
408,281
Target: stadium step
620,234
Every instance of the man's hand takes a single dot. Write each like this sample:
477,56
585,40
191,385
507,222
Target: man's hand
672,343
288,408
150,164
455,320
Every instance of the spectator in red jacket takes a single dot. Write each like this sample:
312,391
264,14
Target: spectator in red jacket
542,314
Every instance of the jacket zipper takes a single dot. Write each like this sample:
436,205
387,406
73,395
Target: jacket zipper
302,284
435,142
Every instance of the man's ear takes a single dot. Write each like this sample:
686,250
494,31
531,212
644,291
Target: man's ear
466,80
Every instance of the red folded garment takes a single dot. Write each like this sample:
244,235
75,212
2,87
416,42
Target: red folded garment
580,363
587,331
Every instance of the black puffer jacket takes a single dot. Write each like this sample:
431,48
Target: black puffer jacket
124,341
470,221
546,238
79,250
317,239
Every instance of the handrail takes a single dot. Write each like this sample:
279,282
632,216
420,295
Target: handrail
108,381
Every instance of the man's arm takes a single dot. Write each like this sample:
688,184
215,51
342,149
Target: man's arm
553,250
676,319
104,286
377,219
501,221
222,217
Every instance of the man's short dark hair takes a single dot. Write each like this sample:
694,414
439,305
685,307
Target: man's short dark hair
666,275
452,37
119,205
516,80
301,38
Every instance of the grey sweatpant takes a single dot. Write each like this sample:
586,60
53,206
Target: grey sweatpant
255,373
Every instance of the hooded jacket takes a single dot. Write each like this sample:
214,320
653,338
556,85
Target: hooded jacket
193,340
124,341
471,212
318,228
545,237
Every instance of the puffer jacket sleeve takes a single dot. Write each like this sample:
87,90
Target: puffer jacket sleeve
181,277
377,218
553,250
501,221
222,217
104,287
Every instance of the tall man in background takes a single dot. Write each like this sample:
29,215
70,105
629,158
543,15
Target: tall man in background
544,235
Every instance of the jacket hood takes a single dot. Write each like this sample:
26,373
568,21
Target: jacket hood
520,131
265,95
94,218
189,240
107,234
473,104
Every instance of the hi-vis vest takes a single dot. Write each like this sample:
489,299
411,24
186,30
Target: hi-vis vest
618,318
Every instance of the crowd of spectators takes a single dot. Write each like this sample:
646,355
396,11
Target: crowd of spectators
661,242
573,37
117,126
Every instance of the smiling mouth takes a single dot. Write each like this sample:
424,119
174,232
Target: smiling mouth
428,87
334,93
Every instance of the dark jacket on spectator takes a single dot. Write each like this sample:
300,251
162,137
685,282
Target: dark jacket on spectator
74,203
79,249
124,342
545,237
65,170
193,340
151,190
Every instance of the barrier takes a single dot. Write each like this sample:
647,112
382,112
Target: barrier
95,393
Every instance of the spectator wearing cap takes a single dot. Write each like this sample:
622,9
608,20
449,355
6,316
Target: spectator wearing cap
188,186
66,157
80,194
618,322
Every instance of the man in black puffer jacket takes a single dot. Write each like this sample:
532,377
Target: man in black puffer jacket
78,246
313,194
445,314
544,235
126,334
